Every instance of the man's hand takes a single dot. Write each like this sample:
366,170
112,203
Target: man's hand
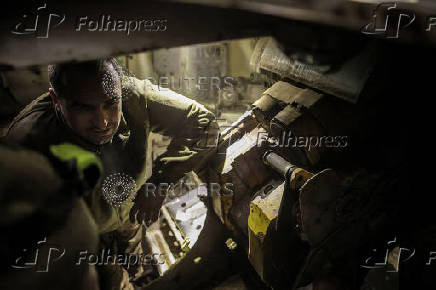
148,202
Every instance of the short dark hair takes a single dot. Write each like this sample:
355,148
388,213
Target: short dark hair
58,74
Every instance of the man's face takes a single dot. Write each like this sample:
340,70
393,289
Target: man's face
92,107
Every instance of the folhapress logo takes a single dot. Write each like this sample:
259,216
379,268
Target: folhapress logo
38,24
388,20
39,259
402,255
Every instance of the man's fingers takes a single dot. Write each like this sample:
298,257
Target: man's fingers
149,217
148,220
140,216
152,217
132,213
155,215
145,209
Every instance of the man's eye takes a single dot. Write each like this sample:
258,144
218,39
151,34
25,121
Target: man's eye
82,108
112,103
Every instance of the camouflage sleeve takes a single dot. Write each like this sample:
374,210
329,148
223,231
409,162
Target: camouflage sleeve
193,129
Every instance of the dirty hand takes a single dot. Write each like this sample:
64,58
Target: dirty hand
148,202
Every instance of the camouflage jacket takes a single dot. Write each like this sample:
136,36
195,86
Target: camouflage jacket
145,109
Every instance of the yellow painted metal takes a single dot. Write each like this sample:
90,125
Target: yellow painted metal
263,211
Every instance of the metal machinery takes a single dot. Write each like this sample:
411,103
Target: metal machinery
297,193
317,173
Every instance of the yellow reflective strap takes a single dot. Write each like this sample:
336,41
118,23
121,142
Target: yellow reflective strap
84,158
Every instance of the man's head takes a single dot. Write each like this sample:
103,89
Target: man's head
88,95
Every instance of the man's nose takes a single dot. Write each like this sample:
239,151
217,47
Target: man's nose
100,120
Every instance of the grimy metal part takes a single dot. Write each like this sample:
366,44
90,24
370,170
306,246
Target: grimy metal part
278,163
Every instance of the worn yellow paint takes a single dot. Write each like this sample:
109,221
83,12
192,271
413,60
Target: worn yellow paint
263,211
299,178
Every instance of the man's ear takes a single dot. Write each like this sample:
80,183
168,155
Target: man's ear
53,96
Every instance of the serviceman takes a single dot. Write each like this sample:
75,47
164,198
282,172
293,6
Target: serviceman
95,105
45,221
